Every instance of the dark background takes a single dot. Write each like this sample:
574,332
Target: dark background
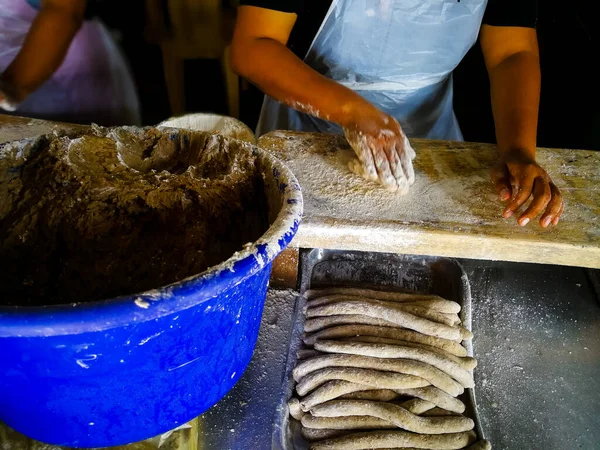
569,47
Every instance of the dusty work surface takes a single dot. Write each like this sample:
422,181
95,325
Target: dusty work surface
451,210
537,342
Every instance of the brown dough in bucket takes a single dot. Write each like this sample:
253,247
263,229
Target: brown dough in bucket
119,211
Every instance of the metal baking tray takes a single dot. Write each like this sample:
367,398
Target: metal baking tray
328,268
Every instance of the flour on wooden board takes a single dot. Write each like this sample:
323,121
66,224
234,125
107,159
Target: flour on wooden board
348,196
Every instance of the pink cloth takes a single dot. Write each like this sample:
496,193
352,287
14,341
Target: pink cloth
93,84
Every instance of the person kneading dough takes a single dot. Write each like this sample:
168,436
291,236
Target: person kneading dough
380,71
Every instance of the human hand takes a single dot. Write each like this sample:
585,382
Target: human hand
7,101
518,177
383,151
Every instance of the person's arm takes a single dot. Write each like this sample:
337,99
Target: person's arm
45,47
512,60
259,54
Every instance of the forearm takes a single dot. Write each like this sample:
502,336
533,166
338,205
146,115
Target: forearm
44,49
282,75
515,91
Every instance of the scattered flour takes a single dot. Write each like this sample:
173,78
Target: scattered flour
12,131
250,407
538,352
331,190
307,108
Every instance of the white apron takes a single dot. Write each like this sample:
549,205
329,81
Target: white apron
397,54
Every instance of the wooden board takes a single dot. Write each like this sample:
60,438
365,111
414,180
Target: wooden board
452,210
13,128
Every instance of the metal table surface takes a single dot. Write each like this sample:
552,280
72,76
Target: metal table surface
537,340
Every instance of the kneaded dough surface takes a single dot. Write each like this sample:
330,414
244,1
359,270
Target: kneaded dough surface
123,210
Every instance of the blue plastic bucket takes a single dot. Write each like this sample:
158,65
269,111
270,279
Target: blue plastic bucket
122,370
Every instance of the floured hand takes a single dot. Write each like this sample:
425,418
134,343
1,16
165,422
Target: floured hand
383,151
519,178
7,101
